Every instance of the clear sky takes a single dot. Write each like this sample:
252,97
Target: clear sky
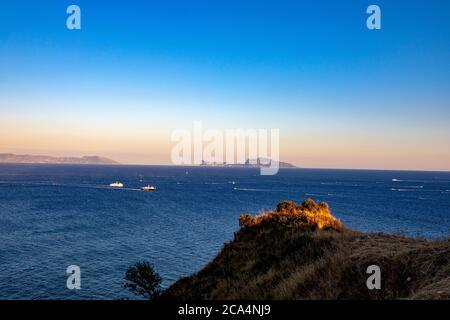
342,95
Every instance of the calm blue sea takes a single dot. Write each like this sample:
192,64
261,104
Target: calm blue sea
53,216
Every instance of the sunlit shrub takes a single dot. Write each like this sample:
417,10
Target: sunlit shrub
309,215
287,207
245,220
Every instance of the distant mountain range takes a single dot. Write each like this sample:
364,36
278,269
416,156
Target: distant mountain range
14,158
254,163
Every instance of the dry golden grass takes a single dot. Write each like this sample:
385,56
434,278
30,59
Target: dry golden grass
303,252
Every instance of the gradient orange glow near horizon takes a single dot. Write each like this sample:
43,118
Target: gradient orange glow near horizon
325,149
342,96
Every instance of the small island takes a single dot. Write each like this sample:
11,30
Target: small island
250,163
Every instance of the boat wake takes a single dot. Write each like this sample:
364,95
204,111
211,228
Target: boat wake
251,189
318,194
403,190
65,185
258,190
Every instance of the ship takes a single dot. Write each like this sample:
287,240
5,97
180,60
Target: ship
148,188
116,184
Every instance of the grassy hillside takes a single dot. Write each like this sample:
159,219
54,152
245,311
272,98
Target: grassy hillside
303,252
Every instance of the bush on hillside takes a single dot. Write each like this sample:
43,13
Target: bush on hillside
245,220
287,207
143,280
308,214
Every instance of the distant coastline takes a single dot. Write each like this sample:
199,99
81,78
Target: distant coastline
250,163
10,158
43,159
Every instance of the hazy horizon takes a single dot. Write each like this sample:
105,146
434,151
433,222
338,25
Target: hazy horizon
342,96
298,166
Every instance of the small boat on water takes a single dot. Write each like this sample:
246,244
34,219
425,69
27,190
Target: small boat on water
148,188
116,184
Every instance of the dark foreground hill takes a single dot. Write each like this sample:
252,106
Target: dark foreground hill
303,252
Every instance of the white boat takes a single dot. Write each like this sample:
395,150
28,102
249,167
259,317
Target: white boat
116,184
148,188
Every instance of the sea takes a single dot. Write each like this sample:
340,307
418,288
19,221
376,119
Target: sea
55,216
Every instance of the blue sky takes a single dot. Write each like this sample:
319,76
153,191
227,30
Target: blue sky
310,68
